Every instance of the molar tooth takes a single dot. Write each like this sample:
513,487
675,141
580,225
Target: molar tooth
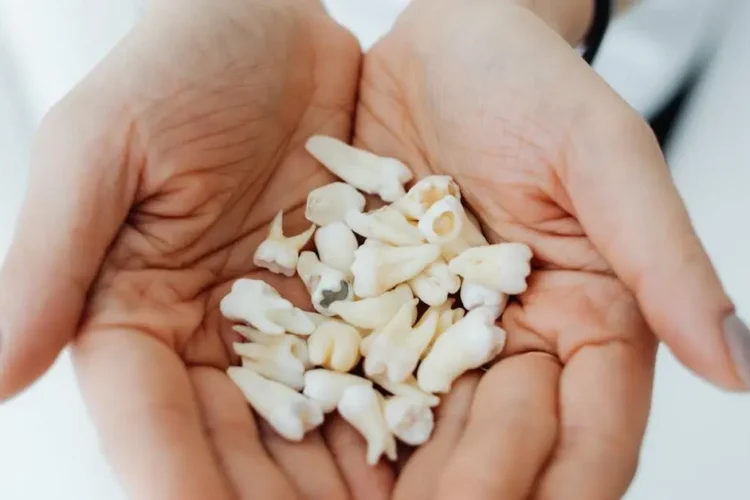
360,406
279,254
379,267
503,267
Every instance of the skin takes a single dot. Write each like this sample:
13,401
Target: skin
154,181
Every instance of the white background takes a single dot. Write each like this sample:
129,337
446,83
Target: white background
698,443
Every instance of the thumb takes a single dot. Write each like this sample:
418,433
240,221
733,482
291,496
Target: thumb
76,200
624,197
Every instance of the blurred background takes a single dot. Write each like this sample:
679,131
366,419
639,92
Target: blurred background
683,64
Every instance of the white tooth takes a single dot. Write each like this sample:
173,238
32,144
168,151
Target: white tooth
470,236
282,358
408,388
334,345
292,344
360,406
336,244
397,348
435,283
272,371
260,305
409,419
425,193
365,171
385,224
378,267
503,267
399,324
474,295
316,318
443,222
290,413
278,253
325,284
373,313
468,344
329,204
326,387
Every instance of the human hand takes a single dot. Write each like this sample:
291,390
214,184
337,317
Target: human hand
153,182
546,154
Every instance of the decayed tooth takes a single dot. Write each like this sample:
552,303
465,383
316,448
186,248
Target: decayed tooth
379,267
468,344
474,295
330,204
385,224
290,413
409,419
278,253
360,406
325,284
334,345
336,244
443,222
397,348
425,193
326,387
435,283
375,312
408,388
503,267
258,304
365,171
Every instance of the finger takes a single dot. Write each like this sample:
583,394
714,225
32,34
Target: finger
79,193
605,393
308,465
141,400
622,193
230,426
510,433
419,477
365,482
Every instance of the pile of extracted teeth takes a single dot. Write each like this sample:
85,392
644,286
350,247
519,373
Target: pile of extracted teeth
422,248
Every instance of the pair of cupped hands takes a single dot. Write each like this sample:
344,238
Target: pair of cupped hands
155,179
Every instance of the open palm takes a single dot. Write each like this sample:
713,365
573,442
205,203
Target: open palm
485,92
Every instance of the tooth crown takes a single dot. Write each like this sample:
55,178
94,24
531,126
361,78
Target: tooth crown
258,304
443,222
378,267
325,284
326,387
329,204
435,283
425,193
409,419
335,345
278,253
375,312
336,244
503,267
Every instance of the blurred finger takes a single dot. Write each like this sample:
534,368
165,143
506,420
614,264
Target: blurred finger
349,449
142,402
622,193
230,426
605,395
510,433
308,465
419,477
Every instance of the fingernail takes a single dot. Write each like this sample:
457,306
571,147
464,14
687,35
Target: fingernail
737,335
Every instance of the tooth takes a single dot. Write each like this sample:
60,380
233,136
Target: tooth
284,359
325,284
385,224
360,406
503,267
379,267
408,389
474,295
260,305
334,345
435,283
400,324
375,312
336,244
425,193
329,204
278,253
365,171
409,419
443,222
326,387
290,413
468,344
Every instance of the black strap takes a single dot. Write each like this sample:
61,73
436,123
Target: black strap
602,15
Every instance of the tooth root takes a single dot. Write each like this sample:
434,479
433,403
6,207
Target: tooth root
409,419
293,379
385,224
409,388
335,345
276,229
293,321
326,386
360,406
374,312
299,241
378,268
291,414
